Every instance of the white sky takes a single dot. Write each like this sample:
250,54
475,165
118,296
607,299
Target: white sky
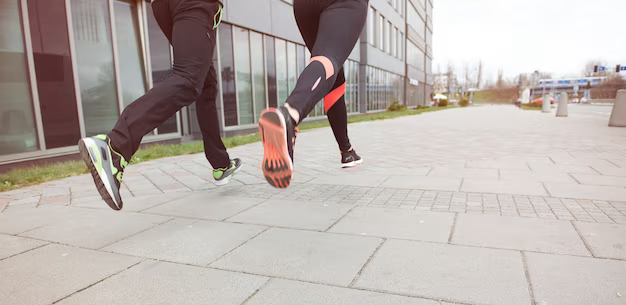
521,36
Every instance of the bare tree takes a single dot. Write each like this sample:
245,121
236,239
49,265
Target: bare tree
500,81
479,76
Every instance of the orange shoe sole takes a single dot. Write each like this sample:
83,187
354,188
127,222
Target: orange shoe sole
277,165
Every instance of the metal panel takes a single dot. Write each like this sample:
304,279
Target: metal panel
79,102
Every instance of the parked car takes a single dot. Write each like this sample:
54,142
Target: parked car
575,101
540,100
584,100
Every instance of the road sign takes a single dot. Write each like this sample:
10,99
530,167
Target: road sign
601,68
623,68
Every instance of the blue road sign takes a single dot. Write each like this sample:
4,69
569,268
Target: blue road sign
601,68
622,68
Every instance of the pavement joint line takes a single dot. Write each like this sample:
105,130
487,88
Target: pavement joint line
245,210
151,182
456,216
237,247
358,274
340,218
144,230
580,235
48,243
572,176
98,282
166,202
340,286
257,291
527,276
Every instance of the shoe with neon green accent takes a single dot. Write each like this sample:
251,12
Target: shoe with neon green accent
106,167
223,175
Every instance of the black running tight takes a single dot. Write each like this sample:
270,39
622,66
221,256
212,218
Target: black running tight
330,29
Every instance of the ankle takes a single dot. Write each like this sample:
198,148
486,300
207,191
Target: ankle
295,115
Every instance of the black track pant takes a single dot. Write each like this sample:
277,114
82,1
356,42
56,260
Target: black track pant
330,29
188,25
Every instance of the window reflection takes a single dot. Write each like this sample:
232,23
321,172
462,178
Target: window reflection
281,70
258,72
53,69
244,82
228,74
272,94
17,126
132,78
94,53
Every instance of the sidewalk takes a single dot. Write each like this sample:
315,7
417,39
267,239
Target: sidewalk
483,205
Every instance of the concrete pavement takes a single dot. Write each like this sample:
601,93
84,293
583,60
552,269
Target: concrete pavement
483,205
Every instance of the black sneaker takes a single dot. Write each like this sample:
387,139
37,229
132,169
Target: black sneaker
350,159
278,133
223,175
106,167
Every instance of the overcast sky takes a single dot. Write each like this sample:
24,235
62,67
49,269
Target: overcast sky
521,36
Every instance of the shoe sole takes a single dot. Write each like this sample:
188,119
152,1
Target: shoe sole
84,153
273,131
351,164
227,179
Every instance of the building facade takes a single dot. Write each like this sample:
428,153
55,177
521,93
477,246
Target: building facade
69,67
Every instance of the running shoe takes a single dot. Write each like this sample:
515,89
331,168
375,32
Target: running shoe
223,175
278,133
350,159
106,167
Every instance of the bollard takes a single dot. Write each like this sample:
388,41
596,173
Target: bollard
545,106
618,115
561,111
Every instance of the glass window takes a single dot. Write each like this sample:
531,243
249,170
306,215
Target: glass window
281,70
271,71
53,68
389,34
160,62
94,54
258,72
244,81
429,38
394,42
132,77
429,9
416,21
371,26
300,59
381,32
229,92
415,56
401,46
292,70
17,125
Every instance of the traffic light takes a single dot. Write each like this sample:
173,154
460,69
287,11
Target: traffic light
595,69
618,68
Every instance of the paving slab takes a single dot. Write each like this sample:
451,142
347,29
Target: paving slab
302,255
518,233
424,183
187,241
290,214
601,180
462,172
20,219
97,228
592,192
164,283
448,272
514,187
606,240
12,245
206,205
355,180
285,292
394,223
132,204
558,279
52,272
549,176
